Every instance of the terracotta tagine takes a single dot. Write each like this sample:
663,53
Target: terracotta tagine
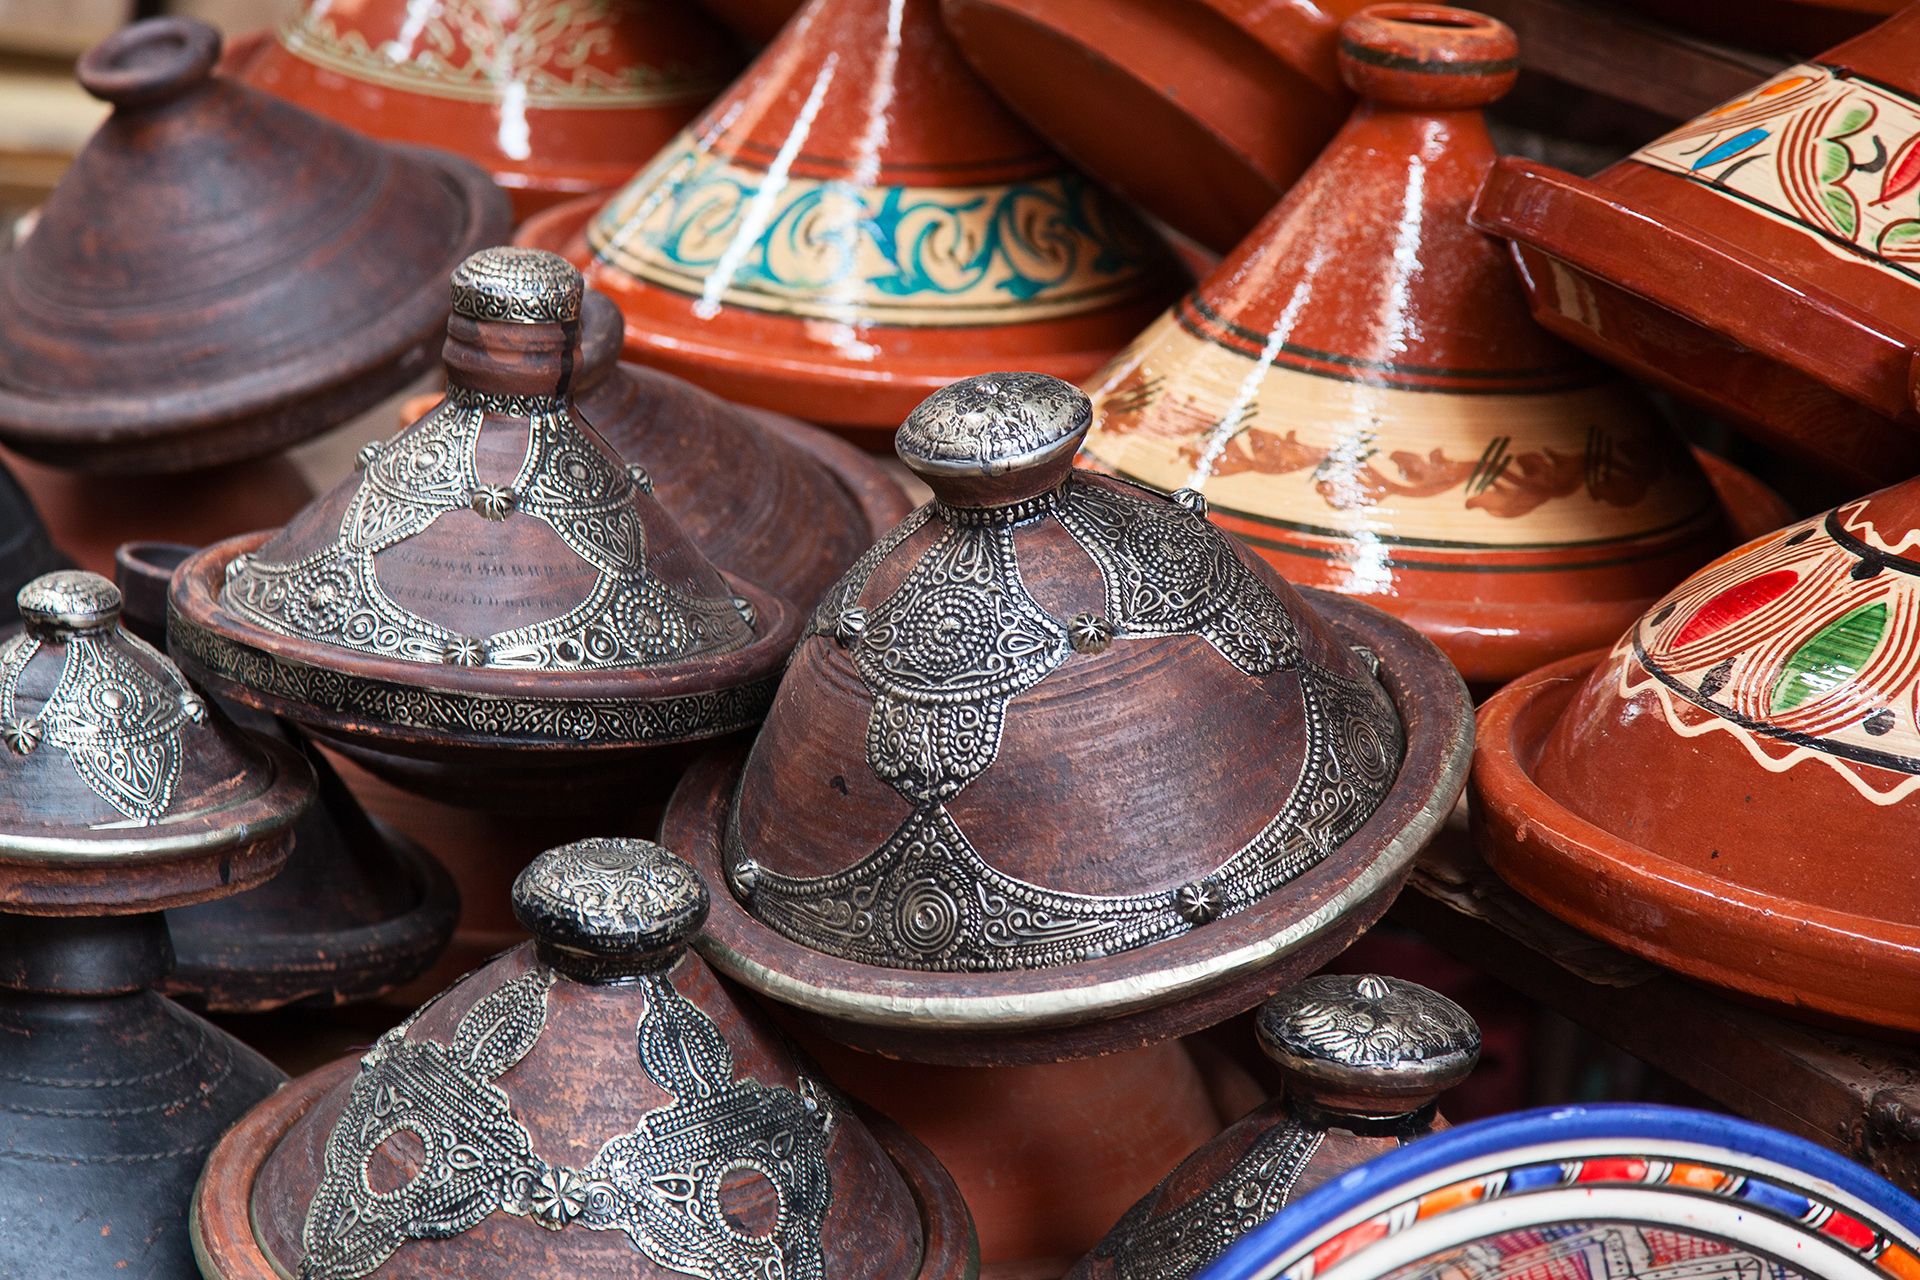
1203,111
220,275
26,551
858,222
1761,261
494,609
1364,1059
1743,767
591,1104
121,793
554,98
946,844
1360,393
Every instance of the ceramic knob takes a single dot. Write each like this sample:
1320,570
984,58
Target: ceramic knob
69,602
1367,1046
995,439
150,62
608,910
1427,56
517,286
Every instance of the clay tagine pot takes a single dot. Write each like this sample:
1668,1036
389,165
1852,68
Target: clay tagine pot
220,275
1202,111
1364,1059
945,844
1743,767
1360,393
554,101
858,222
494,608
591,1104
121,793
1759,261
26,551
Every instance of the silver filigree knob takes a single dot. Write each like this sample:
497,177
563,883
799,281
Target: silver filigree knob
69,602
517,286
995,439
608,910
492,501
1368,1046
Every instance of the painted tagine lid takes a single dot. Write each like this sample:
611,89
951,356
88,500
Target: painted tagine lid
1364,1059
553,100
1360,393
1774,692
593,1103
858,222
1762,261
197,289
1202,111
494,600
948,842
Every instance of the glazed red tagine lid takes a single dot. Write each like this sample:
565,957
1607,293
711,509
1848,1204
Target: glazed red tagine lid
1364,1059
494,603
1059,768
220,275
594,1103
858,222
1760,261
1361,395
553,100
1202,111
1776,692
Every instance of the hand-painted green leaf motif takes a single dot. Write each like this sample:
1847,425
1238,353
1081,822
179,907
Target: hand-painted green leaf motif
1846,218
1833,656
1858,117
1835,161
1900,235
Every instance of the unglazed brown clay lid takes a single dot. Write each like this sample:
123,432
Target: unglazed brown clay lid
120,788
494,586
1743,767
219,274
594,1103
1058,754
1364,1059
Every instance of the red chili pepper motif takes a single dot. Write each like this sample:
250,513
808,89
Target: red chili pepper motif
1728,606
1903,171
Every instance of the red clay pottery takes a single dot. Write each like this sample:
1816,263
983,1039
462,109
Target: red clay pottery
1760,261
26,551
494,608
1203,111
121,793
858,222
554,98
1060,769
1361,395
1364,1059
220,275
592,1104
1731,790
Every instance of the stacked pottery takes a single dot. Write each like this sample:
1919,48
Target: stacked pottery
592,1104
554,100
1742,767
856,223
1360,394
947,843
121,794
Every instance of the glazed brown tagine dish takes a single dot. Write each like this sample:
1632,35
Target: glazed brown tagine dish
1202,111
122,793
593,1103
1364,1060
858,222
1760,261
945,844
554,100
493,607
1731,790
198,289
1360,393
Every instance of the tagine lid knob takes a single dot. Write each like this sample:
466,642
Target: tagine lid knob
1367,1045
1428,56
605,909
150,62
996,438
511,285
69,602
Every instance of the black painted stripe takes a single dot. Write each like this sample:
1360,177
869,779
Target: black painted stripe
1427,66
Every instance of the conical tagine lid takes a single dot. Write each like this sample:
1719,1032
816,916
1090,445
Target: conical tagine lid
1360,392
857,222
1776,692
1058,750
492,578
220,274
591,1104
